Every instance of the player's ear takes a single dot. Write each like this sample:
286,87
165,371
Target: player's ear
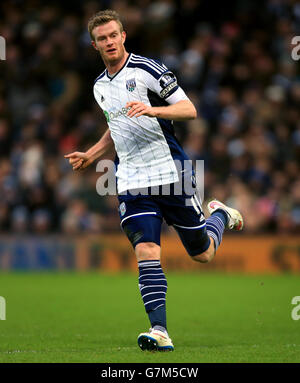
94,45
123,36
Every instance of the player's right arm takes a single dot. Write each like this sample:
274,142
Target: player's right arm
103,148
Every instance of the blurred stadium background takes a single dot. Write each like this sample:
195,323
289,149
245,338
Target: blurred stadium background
234,61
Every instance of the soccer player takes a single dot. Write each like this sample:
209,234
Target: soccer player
140,97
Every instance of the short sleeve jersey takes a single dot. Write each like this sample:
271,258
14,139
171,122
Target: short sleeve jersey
146,147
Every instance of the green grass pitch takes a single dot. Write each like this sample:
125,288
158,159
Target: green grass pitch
95,317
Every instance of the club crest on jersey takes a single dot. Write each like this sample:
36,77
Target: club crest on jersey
122,209
130,84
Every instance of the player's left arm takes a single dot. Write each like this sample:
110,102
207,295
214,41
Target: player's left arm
180,111
165,86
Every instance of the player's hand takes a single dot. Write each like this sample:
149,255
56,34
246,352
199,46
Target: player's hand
78,160
138,108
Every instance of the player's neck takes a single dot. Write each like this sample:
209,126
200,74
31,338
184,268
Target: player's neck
113,68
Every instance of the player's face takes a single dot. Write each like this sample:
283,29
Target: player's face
109,41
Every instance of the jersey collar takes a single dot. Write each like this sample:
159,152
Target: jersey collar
115,75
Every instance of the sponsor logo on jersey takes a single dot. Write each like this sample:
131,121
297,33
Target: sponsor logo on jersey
130,84
106,114
167,82
111,115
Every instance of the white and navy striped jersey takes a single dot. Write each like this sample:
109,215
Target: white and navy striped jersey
146,147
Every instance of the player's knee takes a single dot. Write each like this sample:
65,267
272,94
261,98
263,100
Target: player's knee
205,257
147,250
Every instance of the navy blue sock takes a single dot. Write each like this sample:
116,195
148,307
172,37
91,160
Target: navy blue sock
158,317
153,288
222,215
215,226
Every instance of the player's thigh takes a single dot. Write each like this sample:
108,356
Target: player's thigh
141,221
195,240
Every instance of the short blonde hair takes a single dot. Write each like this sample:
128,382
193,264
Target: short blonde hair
101,18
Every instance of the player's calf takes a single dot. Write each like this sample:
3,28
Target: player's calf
153,287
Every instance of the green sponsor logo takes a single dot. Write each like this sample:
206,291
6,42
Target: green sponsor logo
106,115
110,116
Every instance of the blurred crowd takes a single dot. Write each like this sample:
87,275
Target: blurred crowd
233,61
